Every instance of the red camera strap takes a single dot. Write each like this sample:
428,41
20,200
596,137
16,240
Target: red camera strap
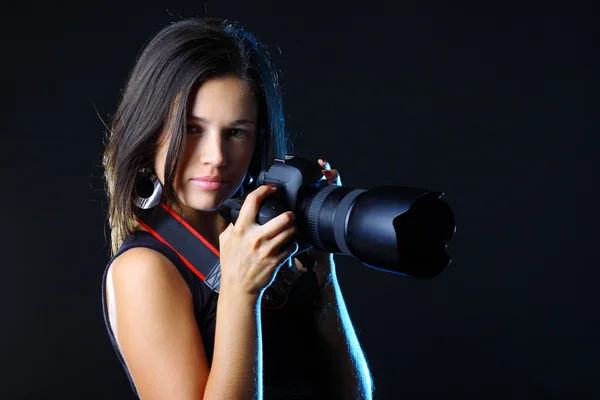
191,247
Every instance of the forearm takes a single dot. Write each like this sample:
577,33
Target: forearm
345,364
236,371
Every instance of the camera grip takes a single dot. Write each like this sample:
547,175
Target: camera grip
269,209
230,210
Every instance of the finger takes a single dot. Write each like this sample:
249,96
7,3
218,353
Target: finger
299,266
331,175
287,251
251,205
279,223
324,164
305,261
280,258
282,238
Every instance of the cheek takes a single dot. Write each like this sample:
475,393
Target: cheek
186,156
244,158
248,150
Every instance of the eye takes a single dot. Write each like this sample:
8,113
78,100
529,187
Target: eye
192,129
237,132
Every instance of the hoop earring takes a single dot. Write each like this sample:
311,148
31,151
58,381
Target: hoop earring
147,190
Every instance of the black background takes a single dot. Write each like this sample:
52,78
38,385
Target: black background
498,112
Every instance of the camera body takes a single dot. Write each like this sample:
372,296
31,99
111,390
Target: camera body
294,178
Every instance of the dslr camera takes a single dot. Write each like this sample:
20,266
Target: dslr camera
395,229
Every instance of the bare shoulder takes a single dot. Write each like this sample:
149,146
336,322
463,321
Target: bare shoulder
141,268
151,313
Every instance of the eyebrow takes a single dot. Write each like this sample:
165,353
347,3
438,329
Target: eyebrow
237,122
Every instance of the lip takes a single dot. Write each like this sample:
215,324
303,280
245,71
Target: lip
211,183
209,178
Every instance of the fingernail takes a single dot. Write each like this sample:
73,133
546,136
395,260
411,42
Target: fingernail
272,186
328,174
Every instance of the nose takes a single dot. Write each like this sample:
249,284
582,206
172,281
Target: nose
212,149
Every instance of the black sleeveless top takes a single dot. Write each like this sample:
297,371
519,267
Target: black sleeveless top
289,339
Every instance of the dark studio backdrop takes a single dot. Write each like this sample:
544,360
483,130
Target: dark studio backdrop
498,112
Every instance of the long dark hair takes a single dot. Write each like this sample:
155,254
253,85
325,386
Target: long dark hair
175,61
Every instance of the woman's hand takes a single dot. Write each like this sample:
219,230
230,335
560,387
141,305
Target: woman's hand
322,261
251,254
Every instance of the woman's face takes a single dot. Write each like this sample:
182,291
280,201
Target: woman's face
219,143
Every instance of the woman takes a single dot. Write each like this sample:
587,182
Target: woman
202,110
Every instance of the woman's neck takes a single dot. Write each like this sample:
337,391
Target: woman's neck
209,224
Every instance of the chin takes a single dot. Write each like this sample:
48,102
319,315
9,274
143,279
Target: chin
206,204
207,201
